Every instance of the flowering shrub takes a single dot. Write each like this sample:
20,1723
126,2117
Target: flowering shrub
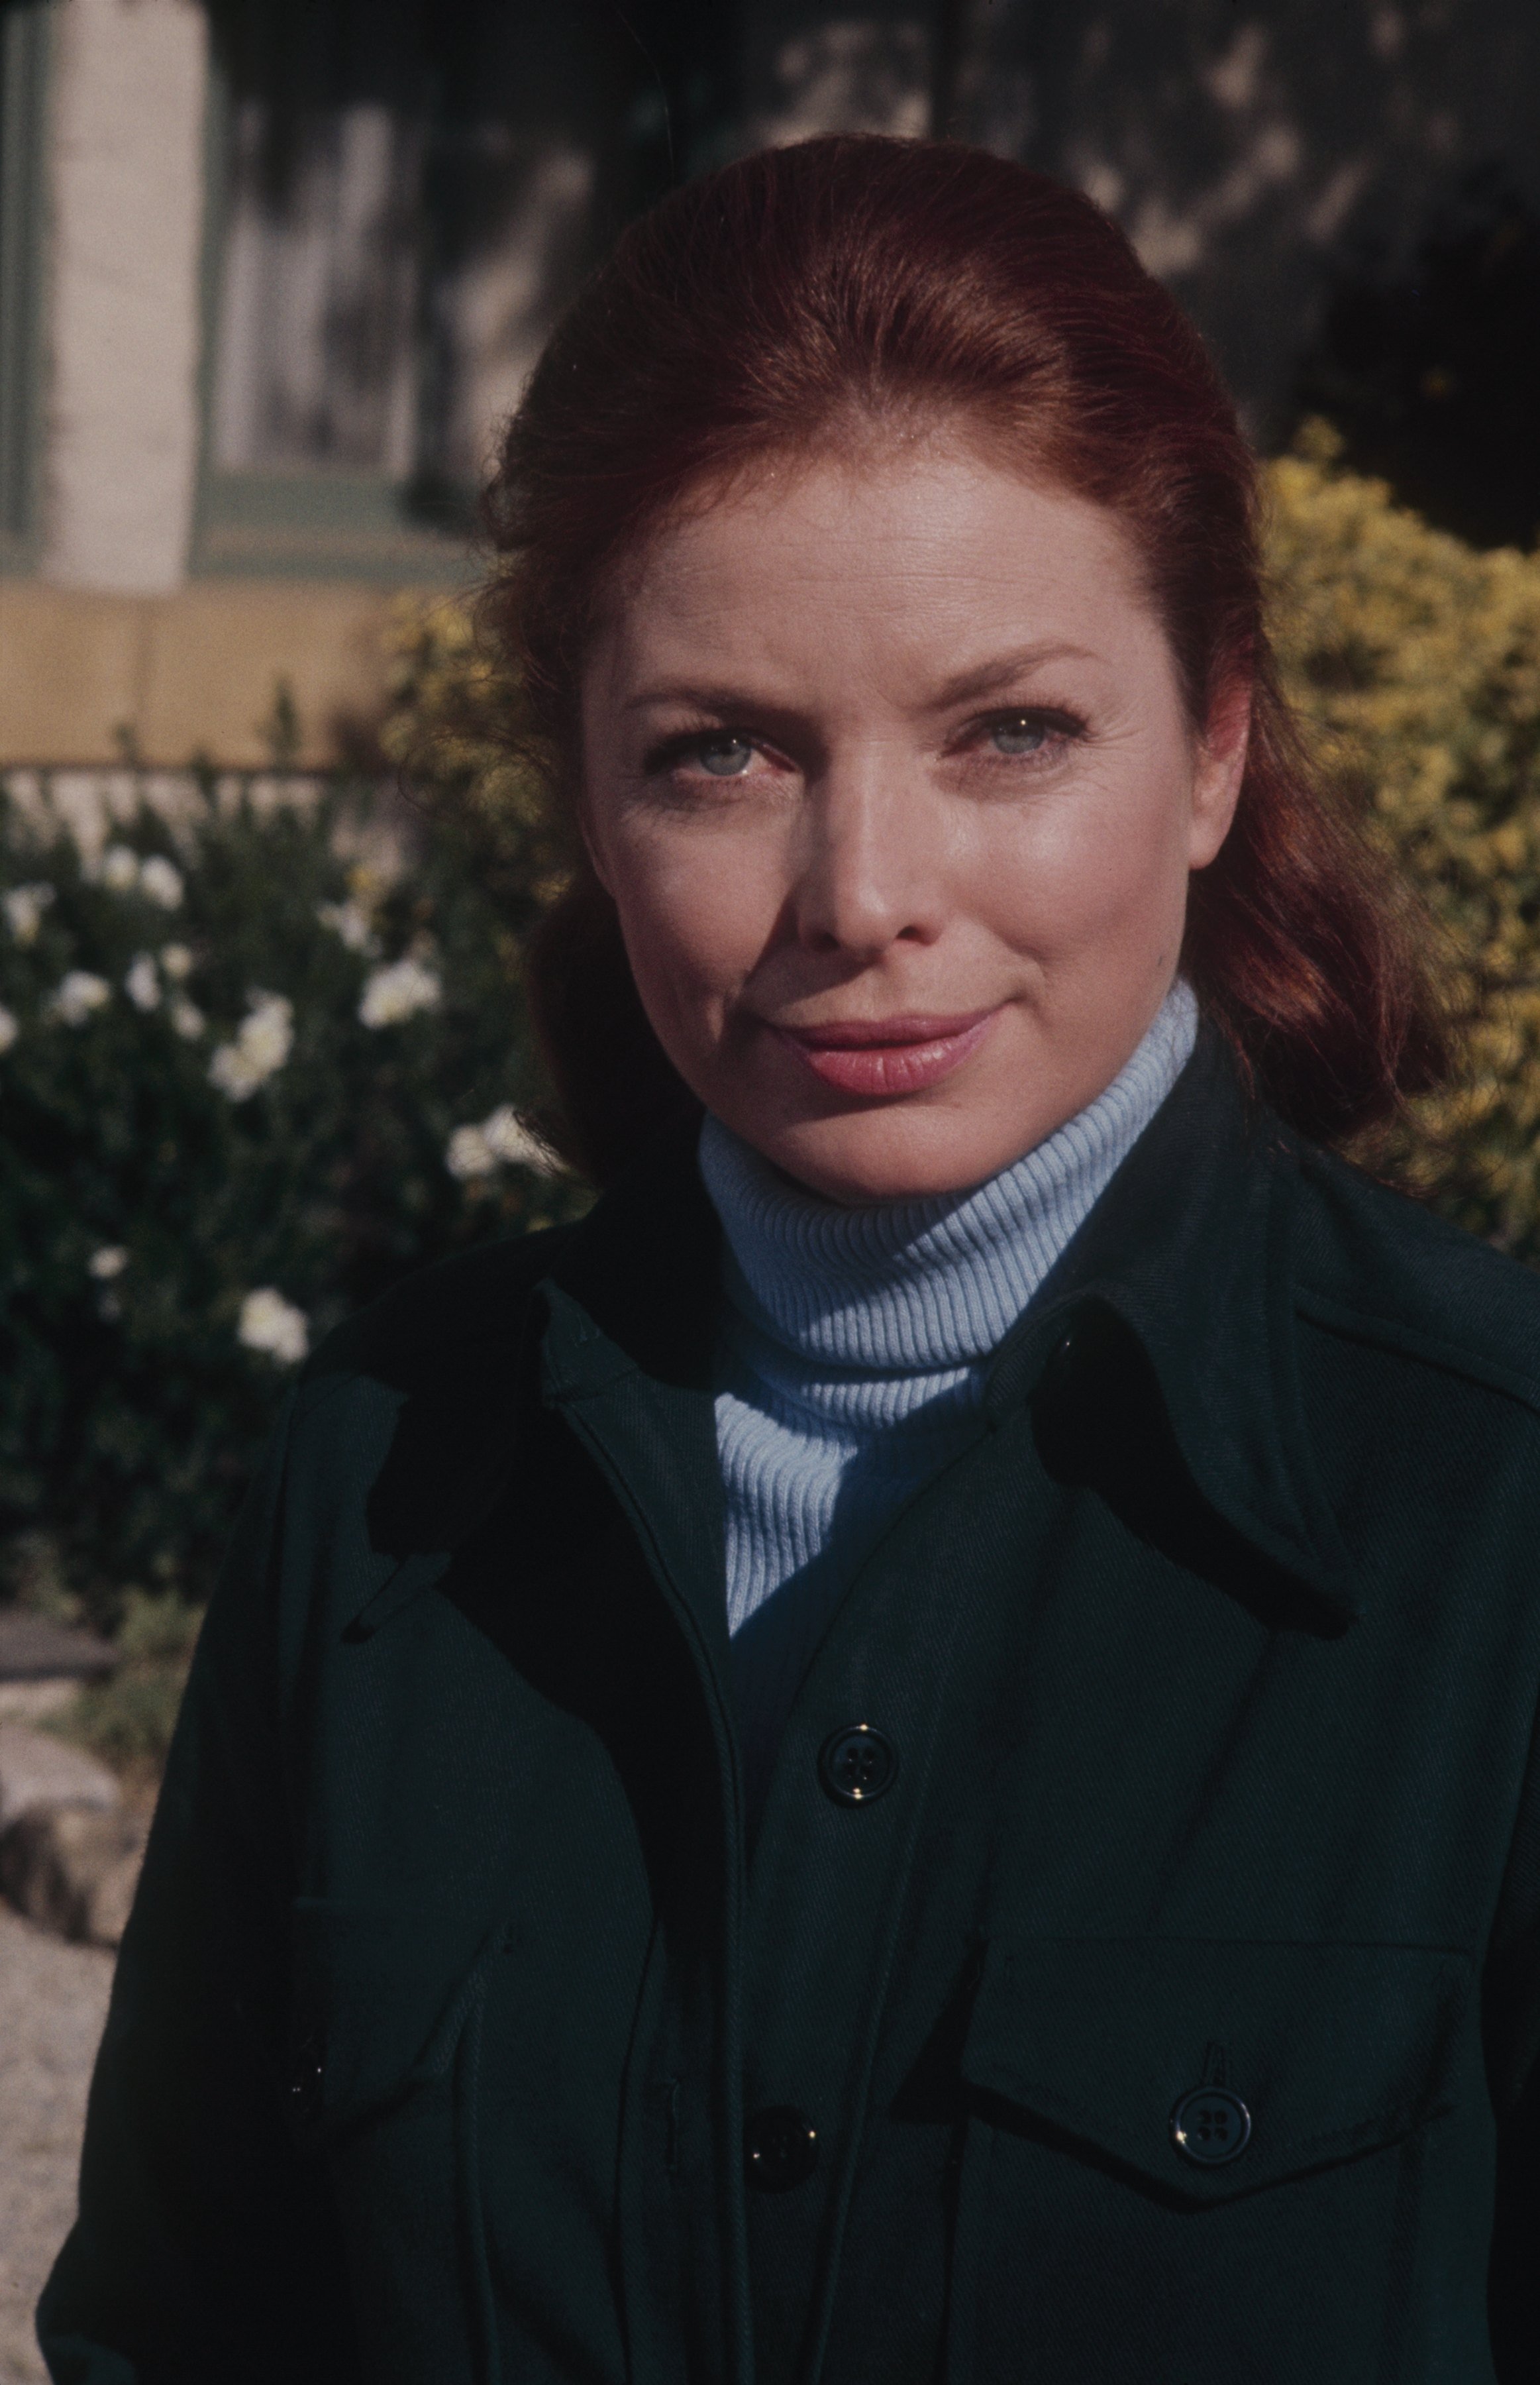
1417,659
238,1073
456,729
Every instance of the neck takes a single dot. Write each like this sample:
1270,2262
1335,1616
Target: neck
918,1285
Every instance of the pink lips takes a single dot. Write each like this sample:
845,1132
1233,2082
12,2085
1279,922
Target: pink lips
887,1057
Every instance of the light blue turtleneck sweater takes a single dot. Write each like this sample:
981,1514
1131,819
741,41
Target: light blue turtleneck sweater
854,1348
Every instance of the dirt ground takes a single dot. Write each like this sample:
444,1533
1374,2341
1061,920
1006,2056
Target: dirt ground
53,2002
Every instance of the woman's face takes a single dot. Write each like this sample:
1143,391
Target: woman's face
887,771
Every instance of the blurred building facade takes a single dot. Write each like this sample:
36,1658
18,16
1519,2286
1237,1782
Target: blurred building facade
272,271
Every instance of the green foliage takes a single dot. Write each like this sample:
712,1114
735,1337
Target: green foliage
127,1719
457,729
237,1066
1416,659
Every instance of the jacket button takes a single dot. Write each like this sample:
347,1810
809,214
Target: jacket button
781,2144
858,1765
1211,2126
1065,1351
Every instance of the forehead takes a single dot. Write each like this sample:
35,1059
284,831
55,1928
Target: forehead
916,550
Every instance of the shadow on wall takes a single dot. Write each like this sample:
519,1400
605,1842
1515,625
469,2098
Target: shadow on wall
1430,369
409,198
1248,150
1346,195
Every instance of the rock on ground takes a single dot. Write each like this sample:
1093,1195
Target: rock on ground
70,1852
38,1769
43,1664
53,2002
74,1868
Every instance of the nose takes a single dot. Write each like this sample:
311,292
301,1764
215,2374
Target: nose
870,870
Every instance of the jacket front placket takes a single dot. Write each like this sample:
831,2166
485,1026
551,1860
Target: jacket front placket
832,1875
786,1978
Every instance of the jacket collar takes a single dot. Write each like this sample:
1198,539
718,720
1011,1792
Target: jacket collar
637,1283
629,1327
1189,1247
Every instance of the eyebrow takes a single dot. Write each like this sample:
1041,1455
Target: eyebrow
723,698
984,679
987,679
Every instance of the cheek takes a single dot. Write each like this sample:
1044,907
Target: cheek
1109,862
694,915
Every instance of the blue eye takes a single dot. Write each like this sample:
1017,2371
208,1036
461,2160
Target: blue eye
725,757
1020,736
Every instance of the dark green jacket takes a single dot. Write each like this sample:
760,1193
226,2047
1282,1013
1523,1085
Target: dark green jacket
451,2002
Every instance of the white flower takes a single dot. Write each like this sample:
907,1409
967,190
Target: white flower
177,961
502,1139
393,993
187,1018
515,1144
351,922
262,1045
469,1153
24,908
9,1029
275,1326
119,869
109,1262
77,994
141,985
161,881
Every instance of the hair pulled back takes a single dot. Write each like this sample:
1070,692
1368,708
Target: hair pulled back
820,291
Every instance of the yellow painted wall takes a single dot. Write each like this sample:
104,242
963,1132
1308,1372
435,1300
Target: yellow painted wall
189,673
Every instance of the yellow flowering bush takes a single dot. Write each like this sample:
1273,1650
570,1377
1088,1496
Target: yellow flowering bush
1416,661
455,728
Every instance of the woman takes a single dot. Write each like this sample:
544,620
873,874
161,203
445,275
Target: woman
905,1756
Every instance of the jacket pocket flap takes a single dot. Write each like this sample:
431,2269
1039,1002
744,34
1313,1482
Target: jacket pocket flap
381,1998
1326,2050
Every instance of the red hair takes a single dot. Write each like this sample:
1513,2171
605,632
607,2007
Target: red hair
803,295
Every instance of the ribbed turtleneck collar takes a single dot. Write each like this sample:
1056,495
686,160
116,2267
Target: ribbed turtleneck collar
913,1286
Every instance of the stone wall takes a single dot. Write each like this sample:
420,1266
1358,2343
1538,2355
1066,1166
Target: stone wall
84,674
